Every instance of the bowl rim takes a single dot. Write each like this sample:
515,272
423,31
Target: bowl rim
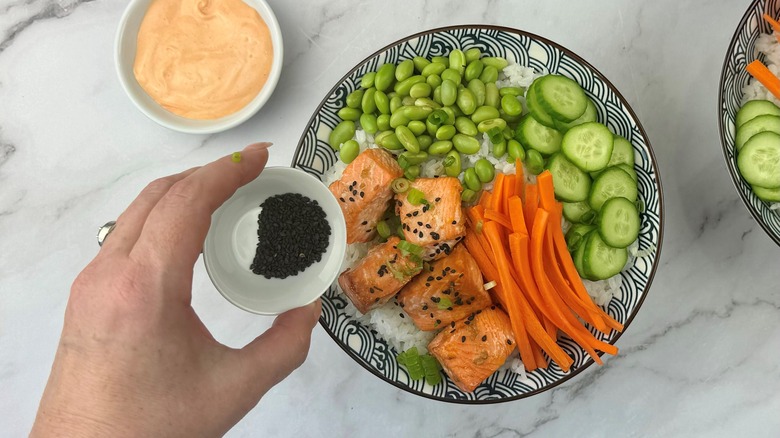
212,126
735,177
651,154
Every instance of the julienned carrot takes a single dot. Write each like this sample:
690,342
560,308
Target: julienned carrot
772,22
498,188
531,204
758,70
508,192
502,219
546,192
516,215
484,199
520,180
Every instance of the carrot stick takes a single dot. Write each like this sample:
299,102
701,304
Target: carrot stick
546,192
502,219
520,180
498,187
531,204
541,362
772,22
484,199
516,215
759,71
508,192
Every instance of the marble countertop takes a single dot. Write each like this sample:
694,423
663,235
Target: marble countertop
701,358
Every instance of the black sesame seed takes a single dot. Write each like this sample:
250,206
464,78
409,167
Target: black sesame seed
431,314
401,315
342,200
454,222
351,199
425,307
362,194
484,338
421,234
428,226
430,278
438,321
354,193
415,213
508,342
435,299
364,223
437,199
462,339
435,235
419,223
452,324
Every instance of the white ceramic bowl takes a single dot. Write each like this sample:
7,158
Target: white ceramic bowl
232,241
124,57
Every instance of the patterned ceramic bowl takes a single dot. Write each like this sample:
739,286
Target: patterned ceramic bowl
733,78
315,156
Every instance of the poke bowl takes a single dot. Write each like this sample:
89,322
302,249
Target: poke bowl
751,40
370,338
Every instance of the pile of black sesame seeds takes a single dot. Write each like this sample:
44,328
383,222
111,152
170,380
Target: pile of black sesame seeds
293,233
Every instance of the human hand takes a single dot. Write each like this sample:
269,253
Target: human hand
134,359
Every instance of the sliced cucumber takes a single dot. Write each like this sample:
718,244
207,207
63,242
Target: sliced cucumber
613,183
756,108
578,212
619,222
759,160
579,254
629,170
536,110
588,146
561,97
534,135
569,182
576,234
601,261
622,152
768,195
590,115
754,126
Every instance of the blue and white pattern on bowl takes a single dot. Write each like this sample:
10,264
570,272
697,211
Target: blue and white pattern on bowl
315,156
733,78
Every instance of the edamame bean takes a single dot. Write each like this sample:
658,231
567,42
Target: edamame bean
487,125
449,92
384,76
471,180
441,60
349,151
425,141
431,127
458,60
452,164
391,94
465,126
412,112
383,122
397,119
515,150
382,102
341,133
499,149
368,103
420,63
508,118
478,88
441,147
512,91
368,123
534,161
413,158
511,105
450,115
348,113
472,54
403,87
484,113
408,101
466,101
468,196
420,90
492,97
484,170
424,101
368,80
466,144
412,172
417,127
388,140
489,74
407,139
473,70
456,110
355,98
496,62
433,68
509,133
437,95
395,103
433,80
404,70
452,75
445,132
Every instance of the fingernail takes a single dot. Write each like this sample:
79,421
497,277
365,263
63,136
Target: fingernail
317,310
258,146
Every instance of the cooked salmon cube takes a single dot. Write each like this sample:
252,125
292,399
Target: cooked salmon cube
449,290
474,348
364,192
379,275
437,223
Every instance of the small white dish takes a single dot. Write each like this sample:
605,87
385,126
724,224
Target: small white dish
232,241
124,57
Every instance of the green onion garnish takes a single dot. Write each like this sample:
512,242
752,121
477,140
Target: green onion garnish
431,369
420,366
496,135
403,162
410,248
444,303
438,117
479,227
383,229
400,185
416,197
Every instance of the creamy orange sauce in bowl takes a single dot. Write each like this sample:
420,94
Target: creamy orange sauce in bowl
199,66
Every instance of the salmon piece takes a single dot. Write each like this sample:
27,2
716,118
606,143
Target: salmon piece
379,276
438,224
364,192
450,290
475,347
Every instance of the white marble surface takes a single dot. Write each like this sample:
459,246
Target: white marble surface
701,358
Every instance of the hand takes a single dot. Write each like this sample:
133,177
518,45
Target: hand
134,359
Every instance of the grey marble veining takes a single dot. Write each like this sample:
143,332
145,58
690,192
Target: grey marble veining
700,359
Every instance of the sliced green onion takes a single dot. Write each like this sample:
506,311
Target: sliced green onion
399,231
479,227
420,366
431,368
383,228
403,162
496,135
489,285
574,242
416,197
410,248
438,117
444,303
588,217
400,185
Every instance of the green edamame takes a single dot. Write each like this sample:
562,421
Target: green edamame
368,80
403,87
407,139
445,132
412,112
433,80
425,141
408,101
465,126
413,158
343,132
487,125
441,60
534,161
509,118
437,95
450,115
383,122
473,70
466,101
381,102
451,74
477,87
449,92
348,113
412,172
458,60
420,63
431,127
496,62
484,113
404,70
466,144
420,90
499,149
512,91
368,123
484,170
515,150
417,127
472,54
471,180
368,103
492,95
489,74
388,140
398,119
349,151
452,165
355,98
511,105
384,76
509,133
433,68
424,101
468,196
395,103
441,147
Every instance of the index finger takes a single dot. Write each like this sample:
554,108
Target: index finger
176,227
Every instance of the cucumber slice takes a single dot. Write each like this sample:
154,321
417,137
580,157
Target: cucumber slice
622,152
629,170
619,222
588,146
613,183
768,195
754,126
569,182
590,115
601,261
579,255
575,237
561,97
759,160
756,108
536,110
534,135
578,212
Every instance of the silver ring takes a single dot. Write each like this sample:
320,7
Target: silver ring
104,231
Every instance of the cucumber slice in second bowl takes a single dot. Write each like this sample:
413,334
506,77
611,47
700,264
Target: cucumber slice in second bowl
619,222
612,183
588,146
601,261
759,160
